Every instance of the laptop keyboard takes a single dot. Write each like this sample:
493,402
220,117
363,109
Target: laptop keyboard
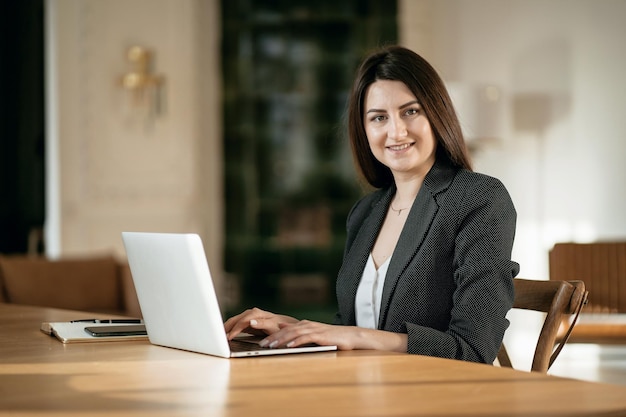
242,345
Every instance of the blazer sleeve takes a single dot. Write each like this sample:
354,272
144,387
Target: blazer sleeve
482,273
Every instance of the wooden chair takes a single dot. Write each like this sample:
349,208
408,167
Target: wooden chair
97,283
602,266
562,301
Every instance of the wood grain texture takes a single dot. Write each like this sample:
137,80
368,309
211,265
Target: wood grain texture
39,375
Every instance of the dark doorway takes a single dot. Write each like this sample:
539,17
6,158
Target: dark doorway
22,129
287,68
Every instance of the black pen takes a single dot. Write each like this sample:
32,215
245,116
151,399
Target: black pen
108,321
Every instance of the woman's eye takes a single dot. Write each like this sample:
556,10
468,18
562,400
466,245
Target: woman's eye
411,112
378,118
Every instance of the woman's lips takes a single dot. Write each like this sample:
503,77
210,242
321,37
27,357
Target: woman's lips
397,148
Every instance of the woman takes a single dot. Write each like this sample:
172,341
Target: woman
427,265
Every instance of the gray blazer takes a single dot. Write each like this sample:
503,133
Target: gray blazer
449,284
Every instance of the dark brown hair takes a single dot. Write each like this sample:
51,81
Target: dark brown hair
397,63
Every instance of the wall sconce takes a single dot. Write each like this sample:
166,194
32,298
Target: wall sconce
143,86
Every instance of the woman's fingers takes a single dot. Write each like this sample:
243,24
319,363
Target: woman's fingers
231,322
255,321
301,333
242,322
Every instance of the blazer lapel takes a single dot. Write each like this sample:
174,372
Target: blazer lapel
418,223
356,258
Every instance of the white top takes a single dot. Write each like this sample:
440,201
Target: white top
370,293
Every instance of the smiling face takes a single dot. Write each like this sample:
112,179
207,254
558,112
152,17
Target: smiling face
397,129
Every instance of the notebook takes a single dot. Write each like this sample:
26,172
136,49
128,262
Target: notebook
74,332
177,297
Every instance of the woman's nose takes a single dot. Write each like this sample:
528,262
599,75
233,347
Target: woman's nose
397,128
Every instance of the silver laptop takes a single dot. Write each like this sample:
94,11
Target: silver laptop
177,297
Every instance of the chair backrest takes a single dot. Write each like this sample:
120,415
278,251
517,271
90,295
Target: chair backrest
562,301
96,283
601,265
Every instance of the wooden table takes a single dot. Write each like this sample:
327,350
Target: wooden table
41,376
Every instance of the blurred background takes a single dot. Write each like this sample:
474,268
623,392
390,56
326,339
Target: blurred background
225,118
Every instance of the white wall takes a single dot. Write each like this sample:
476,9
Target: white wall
114,170
560,64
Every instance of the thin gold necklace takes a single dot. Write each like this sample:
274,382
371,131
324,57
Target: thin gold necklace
399,211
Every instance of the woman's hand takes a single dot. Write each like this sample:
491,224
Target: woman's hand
304,332
286,331
256,321
344,337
